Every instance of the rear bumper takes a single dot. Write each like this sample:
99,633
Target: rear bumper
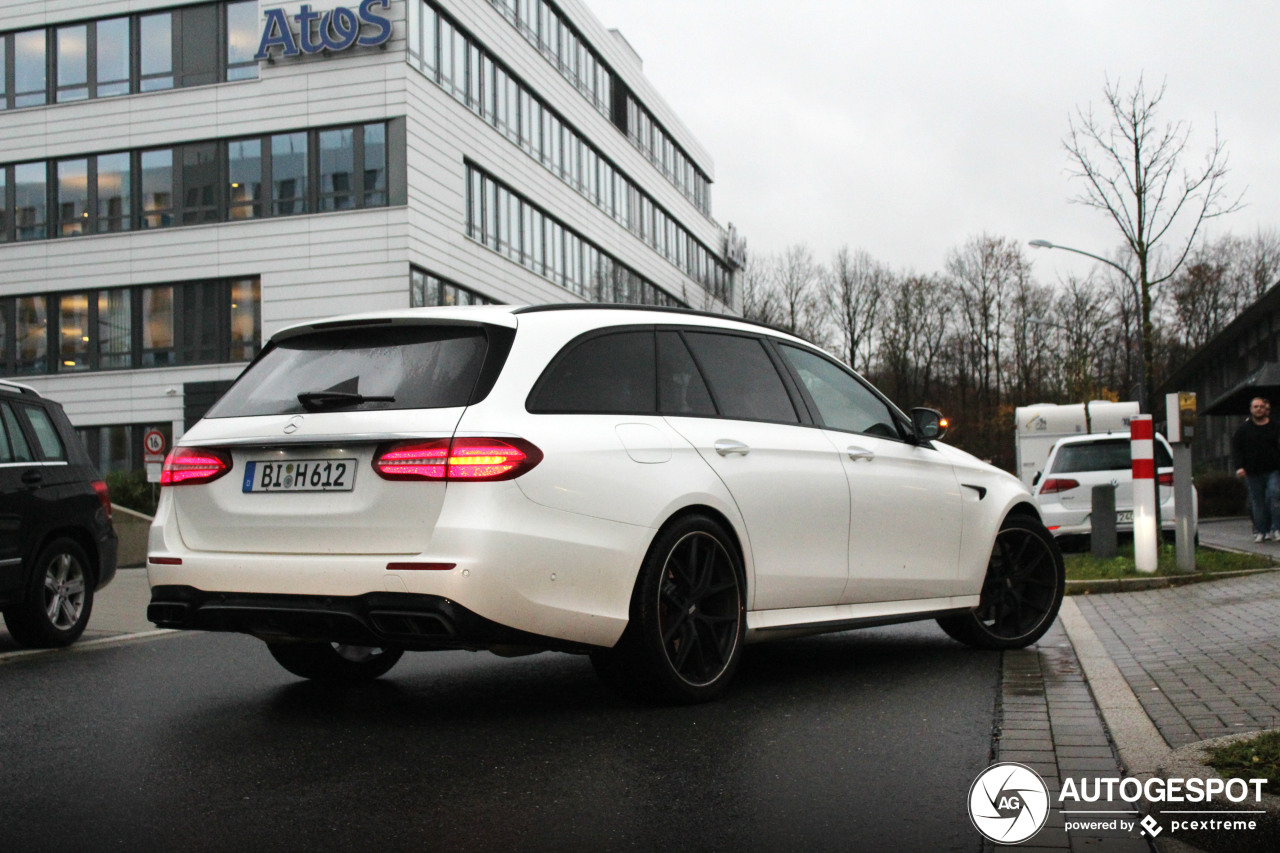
415,622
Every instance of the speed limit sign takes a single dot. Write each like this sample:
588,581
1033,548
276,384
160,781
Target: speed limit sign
153,443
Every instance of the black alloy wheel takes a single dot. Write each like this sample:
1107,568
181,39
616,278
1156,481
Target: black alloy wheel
1022,592
335,662
59,598
688,618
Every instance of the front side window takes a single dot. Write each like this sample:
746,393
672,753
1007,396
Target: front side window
743,381
607,374
406,367
843,402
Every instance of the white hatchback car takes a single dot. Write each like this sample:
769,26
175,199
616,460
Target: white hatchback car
1077,463
652,487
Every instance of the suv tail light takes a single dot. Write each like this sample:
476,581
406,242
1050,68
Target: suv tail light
473,459
1058,484
104,496
1166,479
185,466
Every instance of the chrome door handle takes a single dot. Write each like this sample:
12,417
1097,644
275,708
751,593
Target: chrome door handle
725,446
856,453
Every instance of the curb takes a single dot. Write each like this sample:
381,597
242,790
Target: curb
1098,587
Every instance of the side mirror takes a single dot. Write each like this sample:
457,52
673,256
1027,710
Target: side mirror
929,424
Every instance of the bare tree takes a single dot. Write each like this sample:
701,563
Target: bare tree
759,302
985,270
854,289
1132,169
797,281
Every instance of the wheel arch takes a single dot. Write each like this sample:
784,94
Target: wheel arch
725,522
78,535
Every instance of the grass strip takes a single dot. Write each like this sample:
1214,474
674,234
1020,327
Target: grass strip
1250,759
1086,567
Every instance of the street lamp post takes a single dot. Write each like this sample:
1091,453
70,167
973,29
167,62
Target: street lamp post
1143,403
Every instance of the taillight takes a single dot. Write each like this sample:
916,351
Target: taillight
104,496
1166,479
1058,484
473,459
185,466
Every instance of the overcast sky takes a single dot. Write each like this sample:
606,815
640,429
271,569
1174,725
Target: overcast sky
906,127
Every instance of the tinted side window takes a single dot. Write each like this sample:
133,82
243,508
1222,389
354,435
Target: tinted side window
681,390
46,434
743,380
607,374
843,402
17,441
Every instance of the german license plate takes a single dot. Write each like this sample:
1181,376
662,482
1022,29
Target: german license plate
300,475
1124,517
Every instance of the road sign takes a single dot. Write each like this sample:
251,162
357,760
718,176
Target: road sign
153,445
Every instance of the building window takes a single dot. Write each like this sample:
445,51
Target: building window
542,134
558,253
428,290
196,183
146,52
201,322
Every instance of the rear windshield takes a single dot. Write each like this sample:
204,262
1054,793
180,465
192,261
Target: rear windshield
1109,455
363,369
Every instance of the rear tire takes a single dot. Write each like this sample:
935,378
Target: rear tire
684,640
334,662
1021,594
59,598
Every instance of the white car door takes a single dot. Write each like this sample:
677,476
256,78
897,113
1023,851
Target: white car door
785,477
905,500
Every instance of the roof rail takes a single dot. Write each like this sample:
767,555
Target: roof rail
6,385
631,306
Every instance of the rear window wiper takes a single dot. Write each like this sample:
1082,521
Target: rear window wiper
313,400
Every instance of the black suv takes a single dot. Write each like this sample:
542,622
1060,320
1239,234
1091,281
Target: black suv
57,546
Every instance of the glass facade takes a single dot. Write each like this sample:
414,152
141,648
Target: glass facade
474,77
198,322
189,46
196,183
513,226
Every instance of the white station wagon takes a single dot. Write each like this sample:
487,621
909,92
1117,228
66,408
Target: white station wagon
652,487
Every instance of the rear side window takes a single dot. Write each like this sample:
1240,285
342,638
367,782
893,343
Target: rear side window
1108,455
13,444
743,381
605,374
360,369
51,446
681,390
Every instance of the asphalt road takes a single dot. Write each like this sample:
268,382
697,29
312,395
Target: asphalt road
859,741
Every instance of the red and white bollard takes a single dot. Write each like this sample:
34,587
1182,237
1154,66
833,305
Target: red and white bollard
1143,451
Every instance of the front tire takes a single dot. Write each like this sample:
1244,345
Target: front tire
684,639
1021,594
59,598
334,662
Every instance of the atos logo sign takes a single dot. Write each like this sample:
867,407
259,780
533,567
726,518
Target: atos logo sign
320,31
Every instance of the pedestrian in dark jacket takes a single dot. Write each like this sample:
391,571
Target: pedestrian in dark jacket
1255,452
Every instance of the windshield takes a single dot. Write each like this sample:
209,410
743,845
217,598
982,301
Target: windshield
360,369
